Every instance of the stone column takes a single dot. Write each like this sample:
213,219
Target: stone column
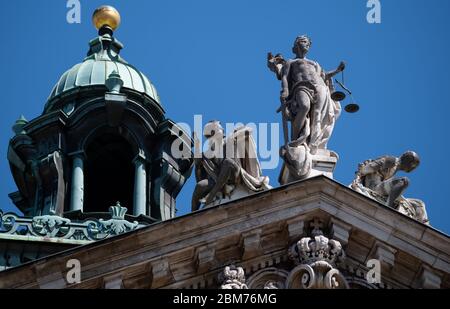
140,179
77,192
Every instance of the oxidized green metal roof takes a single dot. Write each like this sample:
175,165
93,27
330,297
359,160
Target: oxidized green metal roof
103,58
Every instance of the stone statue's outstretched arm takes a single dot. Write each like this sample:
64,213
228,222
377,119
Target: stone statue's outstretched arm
339,69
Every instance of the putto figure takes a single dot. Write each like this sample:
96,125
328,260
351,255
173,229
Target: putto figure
307,104
375,178
233,278
229,169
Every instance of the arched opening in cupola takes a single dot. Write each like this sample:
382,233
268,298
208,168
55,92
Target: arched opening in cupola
109,174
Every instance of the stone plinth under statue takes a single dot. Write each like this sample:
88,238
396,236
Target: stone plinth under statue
322,163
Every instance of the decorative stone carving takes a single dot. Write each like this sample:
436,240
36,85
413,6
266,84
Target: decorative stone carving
309,250
233,278
307,104
317,258
229,169
63,228
273,285
319,275
116,225
375,178
268,278
50,226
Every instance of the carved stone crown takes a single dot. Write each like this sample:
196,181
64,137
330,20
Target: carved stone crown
317,258
309,250
118,212
318,247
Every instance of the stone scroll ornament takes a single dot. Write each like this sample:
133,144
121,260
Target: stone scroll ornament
375,178
229,169
306,104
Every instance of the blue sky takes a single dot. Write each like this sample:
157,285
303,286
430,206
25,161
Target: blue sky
209,57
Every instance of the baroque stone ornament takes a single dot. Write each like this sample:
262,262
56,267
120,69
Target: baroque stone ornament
233,278
306,103
229,169
317,258
116,225
50,226
65,229
268,278
273,285
375,178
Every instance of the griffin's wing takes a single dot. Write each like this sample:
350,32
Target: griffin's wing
244,149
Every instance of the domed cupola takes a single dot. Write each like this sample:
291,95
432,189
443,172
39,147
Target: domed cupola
92,74
102,140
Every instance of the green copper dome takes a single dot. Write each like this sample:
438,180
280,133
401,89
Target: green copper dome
102,60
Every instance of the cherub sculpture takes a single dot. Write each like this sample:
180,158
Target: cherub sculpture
233,278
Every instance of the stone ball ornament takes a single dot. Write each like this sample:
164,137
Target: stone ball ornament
106,16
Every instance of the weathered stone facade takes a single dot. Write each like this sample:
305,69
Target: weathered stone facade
335,229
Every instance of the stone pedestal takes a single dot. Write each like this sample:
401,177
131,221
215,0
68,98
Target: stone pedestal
323,163
235,193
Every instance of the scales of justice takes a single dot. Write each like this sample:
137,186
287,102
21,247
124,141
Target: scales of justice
310,107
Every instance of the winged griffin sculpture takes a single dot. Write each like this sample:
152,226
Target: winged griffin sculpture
229,169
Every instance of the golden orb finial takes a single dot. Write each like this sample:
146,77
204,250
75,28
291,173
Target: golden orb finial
106,16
